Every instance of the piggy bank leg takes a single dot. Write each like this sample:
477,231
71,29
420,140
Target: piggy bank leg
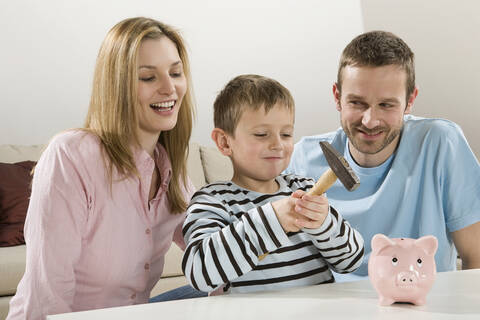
419,302
384,301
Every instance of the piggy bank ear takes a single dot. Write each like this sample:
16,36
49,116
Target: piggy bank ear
428,243
380,241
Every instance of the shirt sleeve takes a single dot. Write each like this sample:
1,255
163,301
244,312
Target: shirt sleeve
220,250
55,222
340,244
459,173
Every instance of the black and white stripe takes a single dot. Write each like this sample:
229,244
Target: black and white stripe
228,227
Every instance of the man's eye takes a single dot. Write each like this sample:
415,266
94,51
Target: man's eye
356,104
286,135
147,79
385,105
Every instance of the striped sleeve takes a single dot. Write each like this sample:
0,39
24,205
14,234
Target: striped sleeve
340,244
223,245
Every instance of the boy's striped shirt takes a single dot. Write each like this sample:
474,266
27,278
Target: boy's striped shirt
228,227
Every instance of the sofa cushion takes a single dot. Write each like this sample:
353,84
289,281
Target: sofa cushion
12,267
194,166
216,166
15,182
173,262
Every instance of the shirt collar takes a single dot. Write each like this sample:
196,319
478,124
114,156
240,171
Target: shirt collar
160,158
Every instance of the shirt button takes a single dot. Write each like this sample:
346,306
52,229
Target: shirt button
147,266
133,296
147,231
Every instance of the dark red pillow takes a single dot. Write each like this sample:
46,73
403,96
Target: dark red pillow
15,183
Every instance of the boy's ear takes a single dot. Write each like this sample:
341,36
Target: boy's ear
221,139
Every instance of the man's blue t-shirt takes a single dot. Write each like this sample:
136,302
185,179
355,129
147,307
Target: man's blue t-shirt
429,186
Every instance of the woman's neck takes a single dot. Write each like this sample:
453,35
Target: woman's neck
148,142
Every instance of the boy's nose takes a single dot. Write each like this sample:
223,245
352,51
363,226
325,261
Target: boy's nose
370,118
276,143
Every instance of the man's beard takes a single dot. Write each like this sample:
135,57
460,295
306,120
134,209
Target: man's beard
371,147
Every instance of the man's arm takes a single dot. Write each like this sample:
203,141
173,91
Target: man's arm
467,242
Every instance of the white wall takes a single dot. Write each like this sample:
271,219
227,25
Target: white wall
49,48
445,37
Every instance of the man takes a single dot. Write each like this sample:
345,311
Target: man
417,176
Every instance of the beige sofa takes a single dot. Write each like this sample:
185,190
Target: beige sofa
205,165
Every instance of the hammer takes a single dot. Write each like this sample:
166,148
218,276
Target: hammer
339,168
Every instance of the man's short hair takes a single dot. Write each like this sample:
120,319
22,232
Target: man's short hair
248,91
376,49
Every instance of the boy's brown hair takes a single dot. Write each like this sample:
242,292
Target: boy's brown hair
376,49
248,91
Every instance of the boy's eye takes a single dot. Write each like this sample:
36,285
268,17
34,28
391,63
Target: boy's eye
260,134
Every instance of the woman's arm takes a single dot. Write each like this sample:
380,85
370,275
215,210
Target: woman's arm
55,222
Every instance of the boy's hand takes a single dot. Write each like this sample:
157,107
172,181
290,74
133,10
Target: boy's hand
301,210
312,208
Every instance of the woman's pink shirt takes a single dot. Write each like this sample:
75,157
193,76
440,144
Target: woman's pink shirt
89,246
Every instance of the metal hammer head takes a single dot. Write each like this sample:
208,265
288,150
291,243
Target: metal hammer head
340,166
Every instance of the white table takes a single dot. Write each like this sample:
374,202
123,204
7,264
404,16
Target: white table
454,295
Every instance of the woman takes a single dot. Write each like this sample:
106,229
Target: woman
108,199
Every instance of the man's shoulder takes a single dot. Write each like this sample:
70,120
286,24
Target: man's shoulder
315,139
427,124
432,128
307,157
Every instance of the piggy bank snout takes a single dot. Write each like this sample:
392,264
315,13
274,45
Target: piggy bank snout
407,278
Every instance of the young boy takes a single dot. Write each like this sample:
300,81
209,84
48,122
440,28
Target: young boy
231,226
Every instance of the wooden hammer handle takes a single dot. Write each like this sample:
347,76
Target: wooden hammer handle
323,183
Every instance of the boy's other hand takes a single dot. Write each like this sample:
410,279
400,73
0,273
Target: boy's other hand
301,210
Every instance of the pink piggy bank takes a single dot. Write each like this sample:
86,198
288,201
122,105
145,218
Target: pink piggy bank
402,269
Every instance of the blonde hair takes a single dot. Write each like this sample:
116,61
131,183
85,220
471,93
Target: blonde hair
248,91
112,113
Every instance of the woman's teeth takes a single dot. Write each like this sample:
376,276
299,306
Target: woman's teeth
163,105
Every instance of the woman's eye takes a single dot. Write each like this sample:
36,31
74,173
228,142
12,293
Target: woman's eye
176,74
147,79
